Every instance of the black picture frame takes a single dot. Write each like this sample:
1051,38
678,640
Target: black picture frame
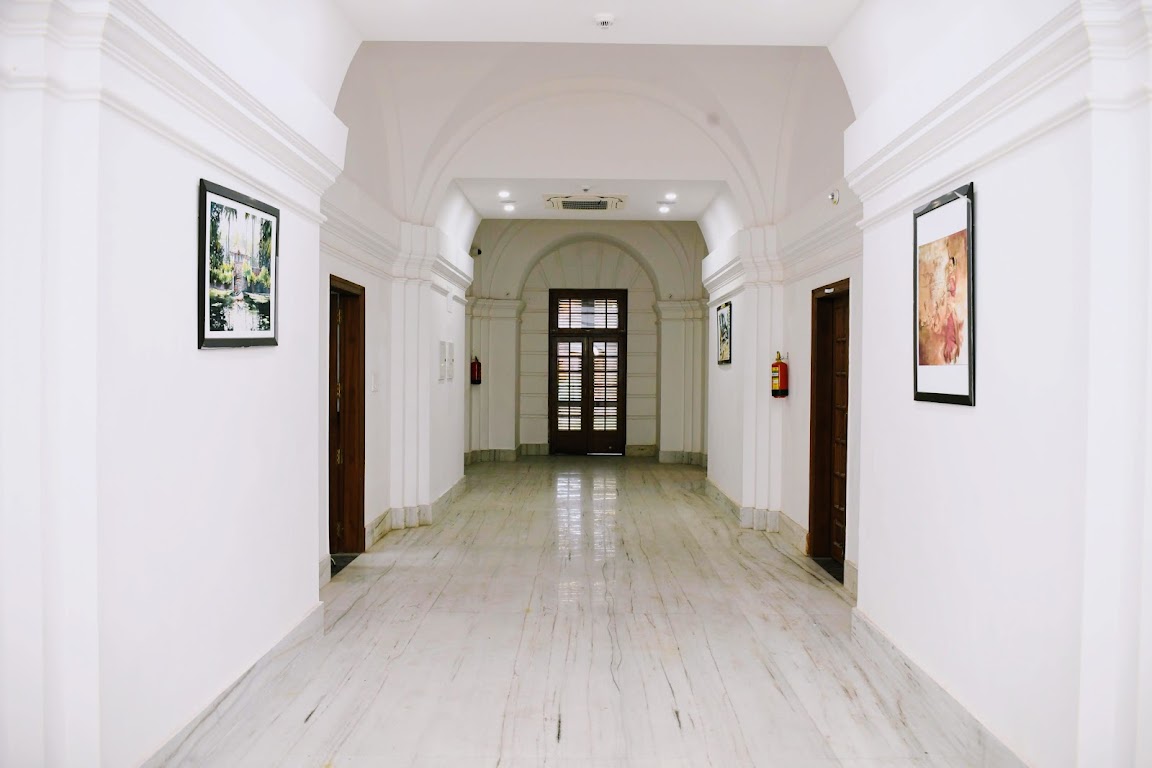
943,320
220,287
724,334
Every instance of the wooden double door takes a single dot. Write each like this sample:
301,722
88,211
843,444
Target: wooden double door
829,460
587,363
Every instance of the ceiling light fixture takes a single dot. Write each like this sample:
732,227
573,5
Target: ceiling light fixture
664,209
504,194
509,207
670,196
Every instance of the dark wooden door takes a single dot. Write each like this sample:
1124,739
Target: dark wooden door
587,372
345,418
827,515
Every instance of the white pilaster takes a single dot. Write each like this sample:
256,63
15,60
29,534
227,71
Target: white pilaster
496,342
682,342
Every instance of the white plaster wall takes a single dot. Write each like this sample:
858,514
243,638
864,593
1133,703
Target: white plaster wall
207,483
447,418
797,407
726,396
970,543
589,264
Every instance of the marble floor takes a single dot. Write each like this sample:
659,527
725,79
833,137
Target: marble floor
582,612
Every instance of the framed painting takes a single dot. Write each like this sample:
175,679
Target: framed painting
724,333
944,298
239,248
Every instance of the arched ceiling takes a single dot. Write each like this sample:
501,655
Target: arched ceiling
763,125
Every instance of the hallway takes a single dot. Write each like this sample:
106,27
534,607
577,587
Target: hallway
582,612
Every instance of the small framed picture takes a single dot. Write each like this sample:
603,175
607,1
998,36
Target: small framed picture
239,248
944,299
724,333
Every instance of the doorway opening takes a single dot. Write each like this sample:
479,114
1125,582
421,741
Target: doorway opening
345,422
587,371
828,490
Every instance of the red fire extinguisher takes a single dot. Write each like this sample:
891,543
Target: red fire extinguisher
779,377
475,370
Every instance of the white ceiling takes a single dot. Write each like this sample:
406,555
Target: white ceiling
720,22
643,198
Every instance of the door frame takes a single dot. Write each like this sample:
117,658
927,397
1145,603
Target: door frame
819,540
589,336
352,437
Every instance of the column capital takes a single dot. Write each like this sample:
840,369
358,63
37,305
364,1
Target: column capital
495,309
680,310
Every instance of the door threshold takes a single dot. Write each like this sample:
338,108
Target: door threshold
834,568
340,562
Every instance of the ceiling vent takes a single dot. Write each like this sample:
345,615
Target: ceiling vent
584,202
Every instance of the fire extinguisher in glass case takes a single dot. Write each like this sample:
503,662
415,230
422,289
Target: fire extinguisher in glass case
475,369
779,377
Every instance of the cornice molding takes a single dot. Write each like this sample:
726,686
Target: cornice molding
495,309
1049,55
837,241
682,310
123,55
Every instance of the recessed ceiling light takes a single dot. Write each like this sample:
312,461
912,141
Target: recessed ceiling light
664,209
508,207
504,194
670,196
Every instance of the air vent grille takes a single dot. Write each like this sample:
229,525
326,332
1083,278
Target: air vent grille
584,205
584,202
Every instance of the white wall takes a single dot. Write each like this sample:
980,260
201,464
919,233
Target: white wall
726,390
174,490
448,421
589,264
954,502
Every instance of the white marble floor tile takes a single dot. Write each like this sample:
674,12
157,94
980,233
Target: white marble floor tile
582,612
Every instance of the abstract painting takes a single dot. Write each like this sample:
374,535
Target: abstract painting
724,333
944,289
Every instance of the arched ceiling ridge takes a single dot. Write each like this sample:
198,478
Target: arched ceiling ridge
744,181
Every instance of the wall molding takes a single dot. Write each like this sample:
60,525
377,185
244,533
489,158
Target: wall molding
127,58
1046,56
690,458
833,242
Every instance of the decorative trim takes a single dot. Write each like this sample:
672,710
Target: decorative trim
1043,58
495,309
794,535
308,631
491,455
829,244
993,753
851,578
446,500
679,311
684,457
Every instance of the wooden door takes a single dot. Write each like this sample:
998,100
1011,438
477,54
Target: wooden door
587,372
345,418
827,515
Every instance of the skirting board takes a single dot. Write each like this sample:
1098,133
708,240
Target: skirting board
992,752
684,457
489,455
398,518
533,449
795,536
748,517
305,633
646,451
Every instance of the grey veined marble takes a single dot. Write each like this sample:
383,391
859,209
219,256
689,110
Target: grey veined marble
583,612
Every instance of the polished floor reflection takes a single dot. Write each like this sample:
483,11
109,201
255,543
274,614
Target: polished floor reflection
582,612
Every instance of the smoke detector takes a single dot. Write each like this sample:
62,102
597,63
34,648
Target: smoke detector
604,20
